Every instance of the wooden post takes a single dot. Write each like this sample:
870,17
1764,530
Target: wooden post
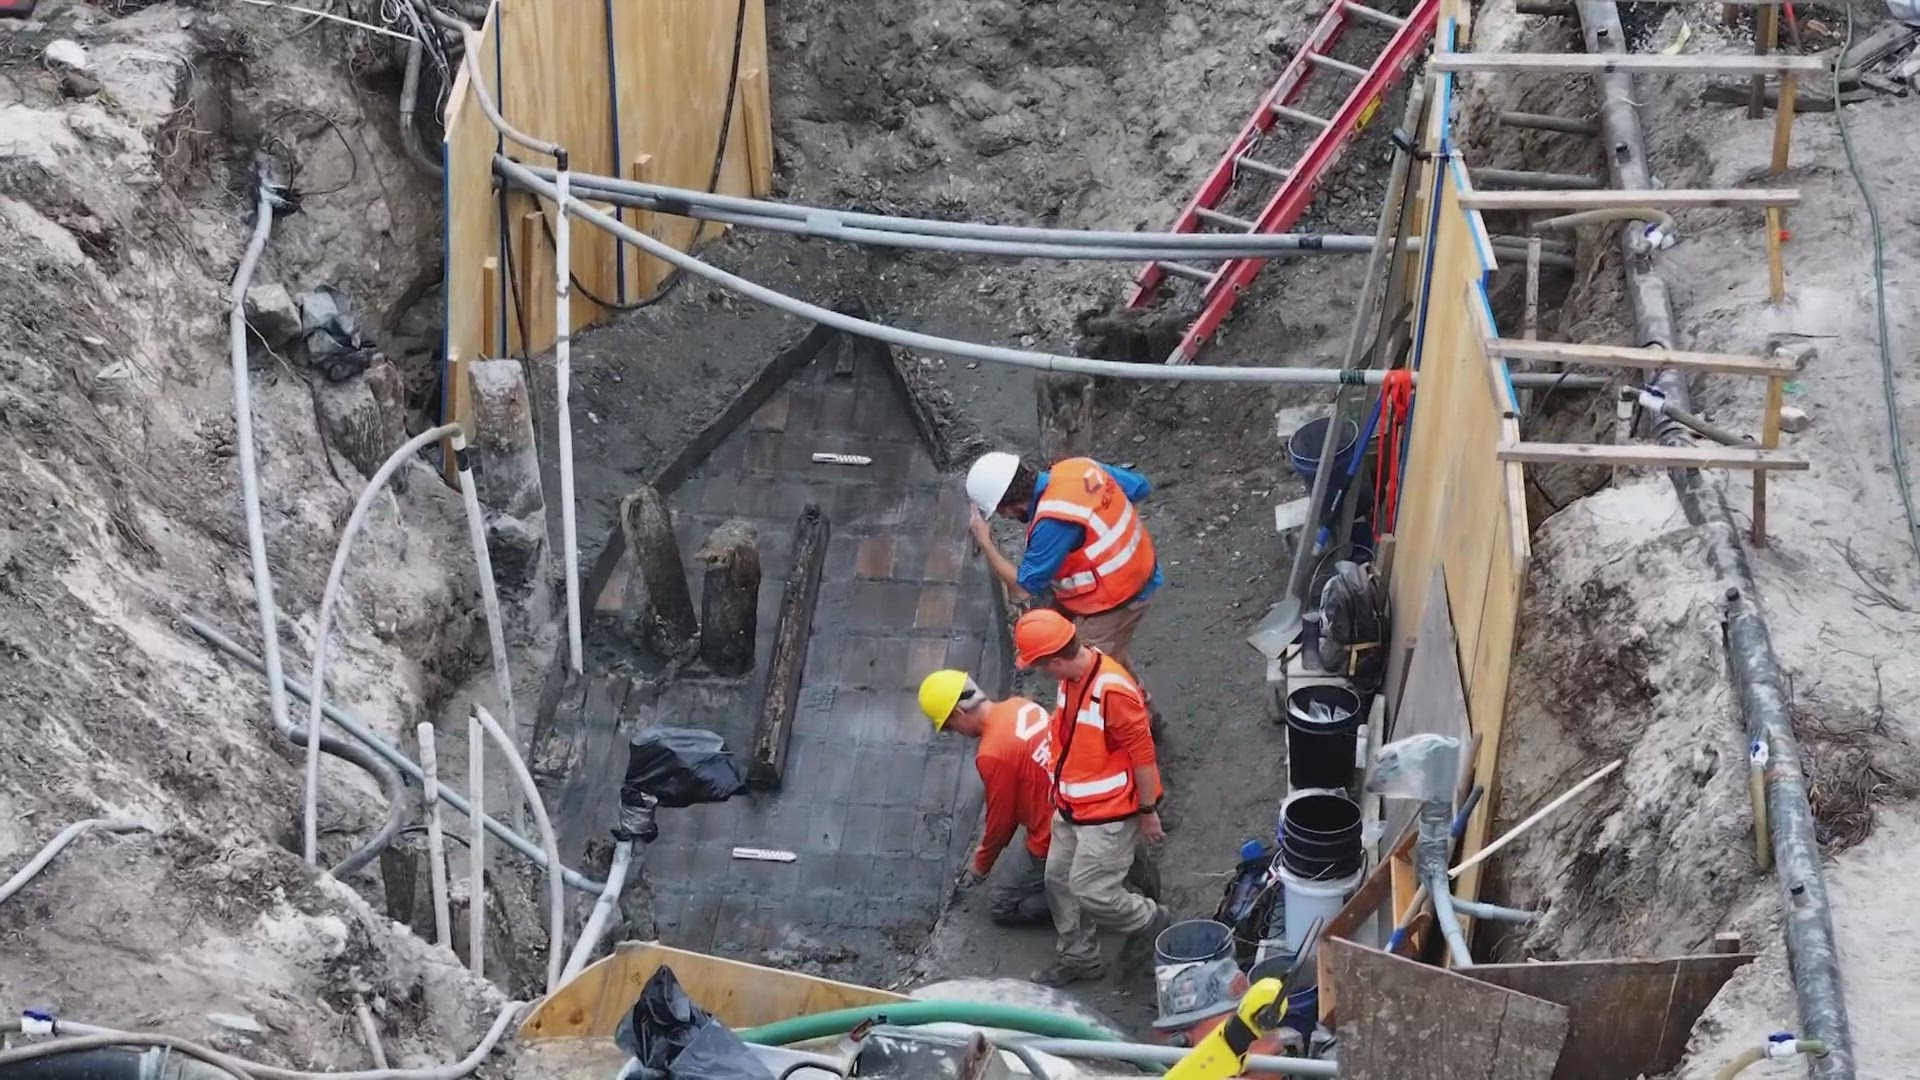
1766,30
454,409
1065,405
645,270
1769,439
492,344
759,134
729,598
536,292
769,748
1783,121
1530,330
1776,259
667,623
1776,217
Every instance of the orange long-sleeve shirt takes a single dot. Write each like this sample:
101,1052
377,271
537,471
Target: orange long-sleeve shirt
1013,765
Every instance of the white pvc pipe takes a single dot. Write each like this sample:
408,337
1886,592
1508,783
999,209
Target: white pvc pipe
556,897
318,691
58,844
563,378
489,593
476,849
250,475
436,840
602,911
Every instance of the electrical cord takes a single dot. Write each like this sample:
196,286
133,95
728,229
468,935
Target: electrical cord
1894,434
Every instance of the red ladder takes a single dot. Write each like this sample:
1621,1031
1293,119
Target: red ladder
1297,183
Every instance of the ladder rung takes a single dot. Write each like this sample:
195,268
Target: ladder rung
1303,117
1328,62
1278,172
1228,220
1191,273
1362,11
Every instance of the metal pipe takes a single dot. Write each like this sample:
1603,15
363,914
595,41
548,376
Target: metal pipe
476,855
324,634
390,781
1543,122
58,844
602,911
436,840
1812,953
358,729
1147,1054
489,595
1474,909
965,349
1526,178
264,206
556,899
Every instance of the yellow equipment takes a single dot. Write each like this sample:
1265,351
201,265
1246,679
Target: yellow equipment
1223,1053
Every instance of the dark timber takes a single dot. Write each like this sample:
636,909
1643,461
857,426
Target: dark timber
667,623
789,659
729,598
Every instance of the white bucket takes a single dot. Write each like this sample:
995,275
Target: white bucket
1310,902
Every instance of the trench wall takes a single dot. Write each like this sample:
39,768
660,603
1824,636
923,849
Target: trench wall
631,88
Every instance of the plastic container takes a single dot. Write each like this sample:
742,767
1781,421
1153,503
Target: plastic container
1313,901
1305,444
1194,972
1320,837
1321,752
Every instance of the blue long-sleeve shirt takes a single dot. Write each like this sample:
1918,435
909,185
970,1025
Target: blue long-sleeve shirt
1052,540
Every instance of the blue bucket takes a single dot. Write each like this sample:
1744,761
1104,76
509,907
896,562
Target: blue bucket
1304,445
1303,1004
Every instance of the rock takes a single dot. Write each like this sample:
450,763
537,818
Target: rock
64,53
273,314
380,217
1794,419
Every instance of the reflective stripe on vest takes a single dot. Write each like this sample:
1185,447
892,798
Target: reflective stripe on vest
1095,781
1116,560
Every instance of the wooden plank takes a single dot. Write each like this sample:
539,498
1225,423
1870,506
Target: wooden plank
741,995
1776,259
1634,63
472,224
1769,439
1613,199
1567,352
645,271
759,141
1626,1017
1362,907
1401,1019
768,757
1650,456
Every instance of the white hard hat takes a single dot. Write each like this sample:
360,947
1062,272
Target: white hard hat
989,479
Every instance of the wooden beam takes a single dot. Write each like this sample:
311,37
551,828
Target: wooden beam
1633,63
1672,199
1648,456
768,759
1566,352
1769,439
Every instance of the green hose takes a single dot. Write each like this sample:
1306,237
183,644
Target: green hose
910,1013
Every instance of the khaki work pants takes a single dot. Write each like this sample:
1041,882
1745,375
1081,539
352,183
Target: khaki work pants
1087,870
1018,894
1112,631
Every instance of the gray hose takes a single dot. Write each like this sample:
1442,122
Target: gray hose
1026,1055
358,729
481,93
1474,909
971,350
410,98
1148,1054
390,780
1449,920
58,844
602,910
1611,213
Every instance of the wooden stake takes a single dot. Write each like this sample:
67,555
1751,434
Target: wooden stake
668,626
491,342
535,261
1769,439
455,408
759,134
1783,122
1766,31
729,598
1776,261
1530,329
645,270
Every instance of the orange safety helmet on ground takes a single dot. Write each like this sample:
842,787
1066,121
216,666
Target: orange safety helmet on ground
1039,634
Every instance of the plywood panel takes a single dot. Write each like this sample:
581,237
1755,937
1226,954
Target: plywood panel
1627,1017
741,995
1401,1019
471,234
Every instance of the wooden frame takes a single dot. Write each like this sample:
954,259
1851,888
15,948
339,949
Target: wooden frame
1617,199
1565,352
1634,63
1650,456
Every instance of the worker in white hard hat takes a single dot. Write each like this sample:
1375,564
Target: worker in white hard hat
1086,544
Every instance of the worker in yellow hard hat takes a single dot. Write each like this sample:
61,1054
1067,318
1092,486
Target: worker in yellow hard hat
1012,761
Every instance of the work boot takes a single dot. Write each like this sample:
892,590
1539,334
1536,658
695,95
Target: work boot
1139,944
1067,972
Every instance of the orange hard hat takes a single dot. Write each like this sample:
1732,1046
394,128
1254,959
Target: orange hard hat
1040,634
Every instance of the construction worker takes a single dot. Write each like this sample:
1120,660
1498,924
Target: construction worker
1106,792
1014,767
1086,544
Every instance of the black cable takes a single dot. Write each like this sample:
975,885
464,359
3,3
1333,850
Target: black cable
352,158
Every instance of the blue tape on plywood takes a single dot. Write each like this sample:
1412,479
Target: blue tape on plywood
619,159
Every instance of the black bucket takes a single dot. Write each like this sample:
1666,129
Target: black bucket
1320,836
1321,754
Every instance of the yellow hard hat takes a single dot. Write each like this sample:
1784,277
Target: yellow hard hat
939,693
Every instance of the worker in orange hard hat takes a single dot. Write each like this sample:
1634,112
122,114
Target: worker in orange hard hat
1106,793
1086,544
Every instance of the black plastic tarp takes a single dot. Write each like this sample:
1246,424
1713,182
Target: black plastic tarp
681,767
671,1038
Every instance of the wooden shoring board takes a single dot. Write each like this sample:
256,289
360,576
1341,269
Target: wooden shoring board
1566,352
1401,1019
1650,456
1633,63
740,995
472,223
767,755
1630,198
1626,1017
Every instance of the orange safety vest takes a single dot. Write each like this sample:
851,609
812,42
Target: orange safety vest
1014,751
1092,776
1116,560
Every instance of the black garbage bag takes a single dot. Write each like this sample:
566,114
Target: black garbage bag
681,767
671,1038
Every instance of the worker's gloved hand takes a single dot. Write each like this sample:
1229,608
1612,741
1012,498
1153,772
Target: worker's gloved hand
968,877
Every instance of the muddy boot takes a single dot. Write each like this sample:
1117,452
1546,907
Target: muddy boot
1067,972
1139,945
